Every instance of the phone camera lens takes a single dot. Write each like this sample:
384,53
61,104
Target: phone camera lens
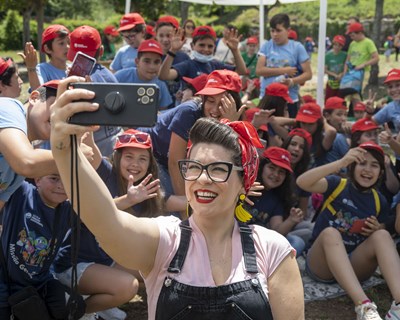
150,92
145,99
141,91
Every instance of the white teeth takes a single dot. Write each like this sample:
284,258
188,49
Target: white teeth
202,194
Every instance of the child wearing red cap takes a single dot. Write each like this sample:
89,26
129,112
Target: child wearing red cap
204,39
334,66
359,110
110,34
348,241
10,81
276,207
132,29
55,43
166,28
148,62
250,58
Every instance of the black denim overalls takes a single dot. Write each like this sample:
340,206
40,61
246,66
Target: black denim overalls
239,300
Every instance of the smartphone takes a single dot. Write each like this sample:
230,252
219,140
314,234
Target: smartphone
358,225
120,104
82,65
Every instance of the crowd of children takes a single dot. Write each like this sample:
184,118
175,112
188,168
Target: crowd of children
325,182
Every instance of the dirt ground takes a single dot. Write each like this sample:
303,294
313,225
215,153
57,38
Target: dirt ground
340,308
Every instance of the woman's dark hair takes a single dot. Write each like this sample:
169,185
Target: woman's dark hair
303,164
5,78
317,137
273,102
284,191
188,21
149,208
106,43
208,130
381,160
235,95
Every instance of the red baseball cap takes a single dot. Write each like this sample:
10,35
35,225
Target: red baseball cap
85,39
308,98
150,45
168,19
204,30
219,81
334,103
309,113
292,34
278,90
249,113
302,133
52,32
111,30
372,146
129,21
393,75
364,124
355,27
51,84
133,138
278,156
252,40
4,65
197,83
150,30
339,39
360,106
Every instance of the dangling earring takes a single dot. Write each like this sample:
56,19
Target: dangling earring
188,210
240,212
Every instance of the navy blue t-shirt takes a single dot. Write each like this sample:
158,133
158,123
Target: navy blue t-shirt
28,233
351,205
266,206
178,120
194,68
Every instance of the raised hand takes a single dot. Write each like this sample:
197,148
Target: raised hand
177,40
296,215
353,155
386,135
262,117
233,39
143,191
370,102
29,56
254,191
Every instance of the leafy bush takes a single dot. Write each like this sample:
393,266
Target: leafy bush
11,31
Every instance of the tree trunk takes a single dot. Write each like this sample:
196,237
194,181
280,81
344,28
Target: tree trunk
26,35
40,22
376,30
184,10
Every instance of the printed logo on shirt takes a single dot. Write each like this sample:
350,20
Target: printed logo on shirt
33,218
349,202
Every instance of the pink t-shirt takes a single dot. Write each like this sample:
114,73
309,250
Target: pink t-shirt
271,249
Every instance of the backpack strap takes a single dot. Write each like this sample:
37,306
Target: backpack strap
377,202
333,196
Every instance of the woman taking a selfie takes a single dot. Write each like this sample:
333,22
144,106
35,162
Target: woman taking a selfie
182,261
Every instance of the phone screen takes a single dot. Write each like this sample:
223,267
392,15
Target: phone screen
82,65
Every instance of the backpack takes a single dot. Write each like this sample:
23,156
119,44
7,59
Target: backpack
342,184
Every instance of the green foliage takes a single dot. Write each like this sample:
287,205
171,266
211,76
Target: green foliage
11,31
70,8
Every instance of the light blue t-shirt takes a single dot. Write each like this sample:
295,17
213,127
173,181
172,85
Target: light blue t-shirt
12,115
291,54
391,112
46,72
125,58
130,75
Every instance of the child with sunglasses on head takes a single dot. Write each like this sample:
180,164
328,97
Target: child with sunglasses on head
131,178
204,39
55,44
349,241
275,208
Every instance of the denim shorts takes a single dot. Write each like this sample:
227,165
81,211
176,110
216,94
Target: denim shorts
315,277
65,276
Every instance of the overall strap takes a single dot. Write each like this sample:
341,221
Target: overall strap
177,262
333,196
249,251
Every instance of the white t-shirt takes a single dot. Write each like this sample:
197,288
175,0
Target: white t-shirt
271,249
223,53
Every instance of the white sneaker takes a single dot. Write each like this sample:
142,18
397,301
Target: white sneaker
367,311
89,316
394,312
112,314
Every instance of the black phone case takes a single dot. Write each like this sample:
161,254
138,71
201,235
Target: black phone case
127,105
